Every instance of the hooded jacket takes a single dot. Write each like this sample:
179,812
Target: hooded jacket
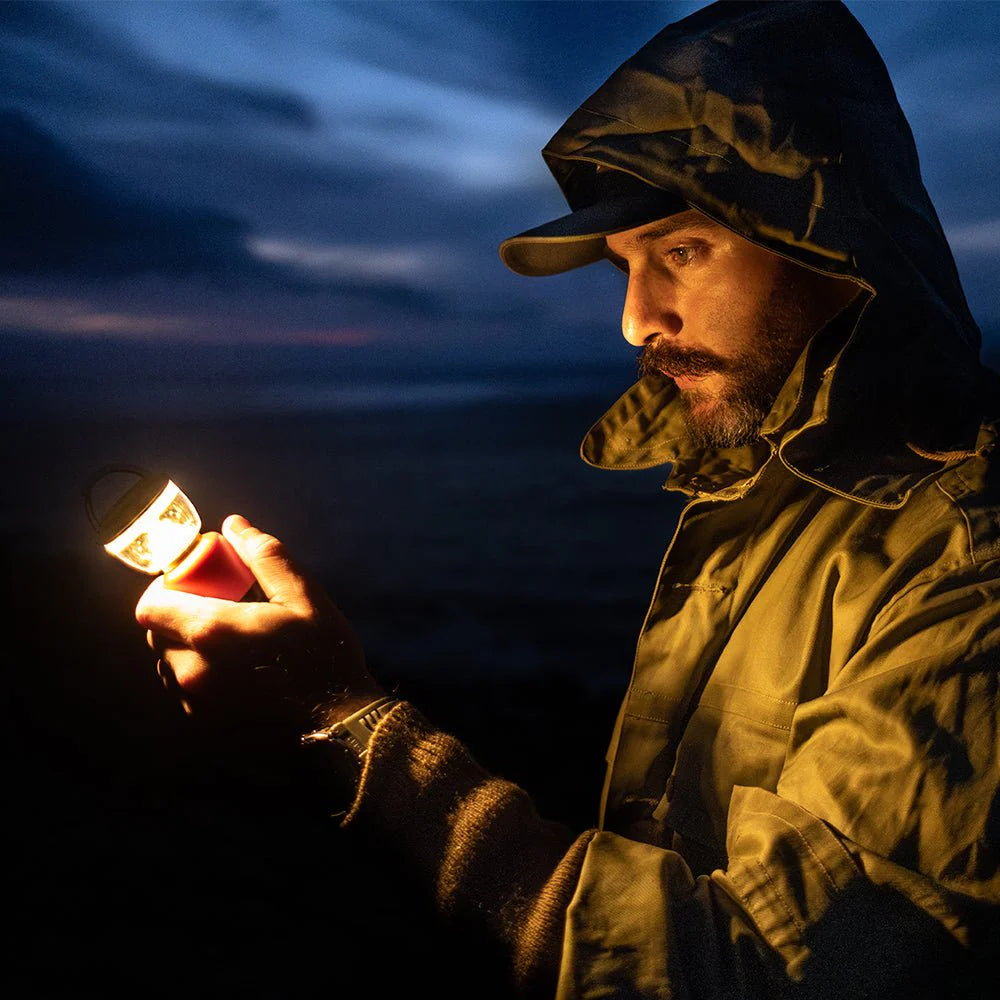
802,786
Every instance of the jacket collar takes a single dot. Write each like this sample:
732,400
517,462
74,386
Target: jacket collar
863,456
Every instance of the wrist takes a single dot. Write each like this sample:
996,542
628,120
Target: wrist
343,738
354,730
340,706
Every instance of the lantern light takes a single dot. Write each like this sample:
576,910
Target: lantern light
154,528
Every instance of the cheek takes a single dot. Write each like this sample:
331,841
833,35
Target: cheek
725,318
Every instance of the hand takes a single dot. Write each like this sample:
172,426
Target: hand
293,661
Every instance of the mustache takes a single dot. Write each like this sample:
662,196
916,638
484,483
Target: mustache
660,357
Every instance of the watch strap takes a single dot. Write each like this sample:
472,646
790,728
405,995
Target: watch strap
354,732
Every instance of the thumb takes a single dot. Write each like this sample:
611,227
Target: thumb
277,575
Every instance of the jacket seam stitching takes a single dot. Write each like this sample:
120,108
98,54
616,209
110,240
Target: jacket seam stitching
742,715
610,118
962,512
779,896
805,842
646,131
698,149
750,690
831,882
702,588
647,718
819,862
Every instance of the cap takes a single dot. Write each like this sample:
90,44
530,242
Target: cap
613,202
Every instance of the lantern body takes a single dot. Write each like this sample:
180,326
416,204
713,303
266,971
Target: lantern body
211,568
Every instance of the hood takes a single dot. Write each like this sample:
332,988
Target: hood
779,121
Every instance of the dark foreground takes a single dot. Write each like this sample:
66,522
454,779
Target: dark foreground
496,581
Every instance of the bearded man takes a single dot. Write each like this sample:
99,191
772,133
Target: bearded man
802,782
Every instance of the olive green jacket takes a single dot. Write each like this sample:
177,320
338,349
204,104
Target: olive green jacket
809,738
812,718
803,786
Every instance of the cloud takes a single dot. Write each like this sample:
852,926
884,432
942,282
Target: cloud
561,52
976,238
546,54
942,59
54,59
365,159
365,264
419,87
108,315
74,316
60,215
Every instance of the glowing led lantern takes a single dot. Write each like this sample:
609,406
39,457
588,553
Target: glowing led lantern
163,532
154,528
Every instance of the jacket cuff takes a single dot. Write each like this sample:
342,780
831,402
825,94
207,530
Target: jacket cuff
410,770
786,867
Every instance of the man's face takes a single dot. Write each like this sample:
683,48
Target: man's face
722,317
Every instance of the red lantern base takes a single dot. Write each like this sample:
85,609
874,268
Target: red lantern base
211,569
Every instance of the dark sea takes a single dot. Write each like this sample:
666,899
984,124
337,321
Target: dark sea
448,511
495,579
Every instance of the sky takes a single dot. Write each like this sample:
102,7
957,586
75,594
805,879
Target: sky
337,176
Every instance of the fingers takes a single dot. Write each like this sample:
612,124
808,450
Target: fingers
234,694
190,669
280,657
183,673
207,623
169,682
277,575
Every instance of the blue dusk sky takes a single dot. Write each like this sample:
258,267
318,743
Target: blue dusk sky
339,174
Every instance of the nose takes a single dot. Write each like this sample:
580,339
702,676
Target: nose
649,309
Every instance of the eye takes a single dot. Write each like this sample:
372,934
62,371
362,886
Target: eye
682,255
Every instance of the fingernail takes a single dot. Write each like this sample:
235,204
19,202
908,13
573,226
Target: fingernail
237,523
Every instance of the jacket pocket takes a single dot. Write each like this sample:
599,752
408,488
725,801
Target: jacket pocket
735,736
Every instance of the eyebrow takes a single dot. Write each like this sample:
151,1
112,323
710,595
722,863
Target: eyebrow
666,228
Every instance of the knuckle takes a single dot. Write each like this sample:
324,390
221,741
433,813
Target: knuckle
296,631
268,547
146,609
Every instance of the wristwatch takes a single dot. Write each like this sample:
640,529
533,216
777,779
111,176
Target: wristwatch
338,753
354,732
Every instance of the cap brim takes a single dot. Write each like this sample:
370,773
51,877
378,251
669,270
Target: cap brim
577,239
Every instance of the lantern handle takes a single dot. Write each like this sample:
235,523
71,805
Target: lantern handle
103,473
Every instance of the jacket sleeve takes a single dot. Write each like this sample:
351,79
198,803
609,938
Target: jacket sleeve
872,871
473,842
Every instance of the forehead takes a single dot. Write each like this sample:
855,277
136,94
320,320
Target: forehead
690,222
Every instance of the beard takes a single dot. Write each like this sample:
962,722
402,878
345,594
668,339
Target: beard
732,416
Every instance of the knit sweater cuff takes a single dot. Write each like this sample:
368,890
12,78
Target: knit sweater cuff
474,840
